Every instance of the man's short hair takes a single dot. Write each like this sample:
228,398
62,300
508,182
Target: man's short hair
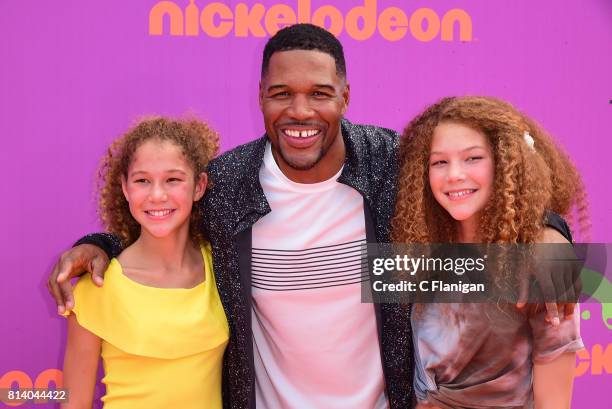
305,37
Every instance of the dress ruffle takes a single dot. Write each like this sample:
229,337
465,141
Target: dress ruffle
145,321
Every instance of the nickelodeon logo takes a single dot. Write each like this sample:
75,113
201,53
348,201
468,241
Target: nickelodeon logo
361,22
598,359
21,380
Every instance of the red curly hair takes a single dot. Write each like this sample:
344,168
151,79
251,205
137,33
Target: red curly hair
199,144
527,182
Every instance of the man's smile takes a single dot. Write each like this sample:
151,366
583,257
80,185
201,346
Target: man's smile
300,136
296,133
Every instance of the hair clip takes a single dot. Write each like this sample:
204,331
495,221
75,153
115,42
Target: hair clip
529,140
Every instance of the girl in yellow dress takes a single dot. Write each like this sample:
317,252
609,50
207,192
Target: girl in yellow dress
157,321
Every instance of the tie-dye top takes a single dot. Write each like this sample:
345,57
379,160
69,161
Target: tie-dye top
481,355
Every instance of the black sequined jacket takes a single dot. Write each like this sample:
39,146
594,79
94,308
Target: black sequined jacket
236,201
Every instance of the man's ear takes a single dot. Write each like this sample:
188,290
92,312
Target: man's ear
261,96
200,186
346,96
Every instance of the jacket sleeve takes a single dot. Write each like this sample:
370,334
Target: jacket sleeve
555,221
108,242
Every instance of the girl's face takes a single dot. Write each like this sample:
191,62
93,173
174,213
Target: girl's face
461,171
160,188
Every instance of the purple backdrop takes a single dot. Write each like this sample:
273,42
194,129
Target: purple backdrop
76,74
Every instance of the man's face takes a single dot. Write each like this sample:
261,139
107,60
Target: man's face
302,100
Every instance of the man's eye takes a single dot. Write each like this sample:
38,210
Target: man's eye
175,180
320,94
282,94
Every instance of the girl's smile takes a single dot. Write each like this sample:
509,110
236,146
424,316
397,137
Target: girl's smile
455,195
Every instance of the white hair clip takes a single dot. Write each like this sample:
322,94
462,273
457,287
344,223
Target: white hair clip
529,140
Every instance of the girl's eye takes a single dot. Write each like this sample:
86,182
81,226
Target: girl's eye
438,163
174,180
474,158
141,181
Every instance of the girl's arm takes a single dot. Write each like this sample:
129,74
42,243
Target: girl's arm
553,379
552,382
80,365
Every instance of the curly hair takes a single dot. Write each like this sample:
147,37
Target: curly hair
305,37
198,143
527,182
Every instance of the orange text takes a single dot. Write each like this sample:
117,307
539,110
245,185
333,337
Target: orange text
216,20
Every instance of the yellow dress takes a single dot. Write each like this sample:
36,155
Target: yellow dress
161,347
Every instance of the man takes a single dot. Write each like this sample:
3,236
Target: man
287,216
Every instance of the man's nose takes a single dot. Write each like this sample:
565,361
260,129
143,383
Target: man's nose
300,107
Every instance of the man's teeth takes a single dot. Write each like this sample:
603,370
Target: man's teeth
301,134
461,193
159,213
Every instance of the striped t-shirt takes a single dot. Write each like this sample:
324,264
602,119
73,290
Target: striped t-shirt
315,343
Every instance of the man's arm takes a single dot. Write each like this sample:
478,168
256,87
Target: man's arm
566,295
90,254
108,242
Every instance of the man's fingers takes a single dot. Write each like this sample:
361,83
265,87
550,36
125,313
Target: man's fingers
565,279
97,268
569,310
66,290
65,268
552,313
558,274
523,294
577,281
548,291
55,292
570,287
54,288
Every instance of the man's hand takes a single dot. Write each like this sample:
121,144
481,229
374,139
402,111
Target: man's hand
73,263
557,276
